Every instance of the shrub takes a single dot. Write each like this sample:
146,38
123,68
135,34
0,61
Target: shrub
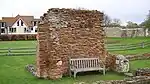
18,37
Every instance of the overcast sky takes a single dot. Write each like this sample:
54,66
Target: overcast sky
126,10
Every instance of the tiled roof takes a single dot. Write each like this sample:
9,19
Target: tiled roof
11,20
27,19
37,20
8,20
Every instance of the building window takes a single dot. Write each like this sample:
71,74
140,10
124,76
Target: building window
34,23
25,30
31,28
18,23
35,30
12,30
21,23
2,30
3,24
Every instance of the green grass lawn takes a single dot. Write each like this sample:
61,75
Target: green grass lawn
18,44
32,44
132,52
140,64
123,41
12,69
116,40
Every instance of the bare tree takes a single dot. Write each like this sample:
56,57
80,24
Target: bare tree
146,23
0,27
116,22
107,20
132,24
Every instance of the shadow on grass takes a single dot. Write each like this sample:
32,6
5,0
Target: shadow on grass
96,76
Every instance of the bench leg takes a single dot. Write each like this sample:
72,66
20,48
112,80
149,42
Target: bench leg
75,74
70,73
103,71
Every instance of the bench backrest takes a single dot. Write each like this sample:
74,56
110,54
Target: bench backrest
84,63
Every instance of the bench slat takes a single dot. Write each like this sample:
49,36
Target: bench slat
83,58
85,64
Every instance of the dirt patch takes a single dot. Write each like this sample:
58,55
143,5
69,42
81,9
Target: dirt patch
146,54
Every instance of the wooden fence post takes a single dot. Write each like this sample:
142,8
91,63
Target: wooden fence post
9,51
142,44
124,47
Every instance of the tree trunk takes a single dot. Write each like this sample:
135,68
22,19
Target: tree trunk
124,33
137,33
0,30
133,33
144,32
149,32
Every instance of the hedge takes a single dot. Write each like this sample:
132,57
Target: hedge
15,37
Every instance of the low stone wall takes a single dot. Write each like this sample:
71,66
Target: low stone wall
139,57
31,68
143,72
134,80
119,32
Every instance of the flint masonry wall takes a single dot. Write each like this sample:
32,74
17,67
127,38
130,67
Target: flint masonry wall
139,57
65,33
133,80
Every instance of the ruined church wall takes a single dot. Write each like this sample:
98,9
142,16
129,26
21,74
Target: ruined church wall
68,33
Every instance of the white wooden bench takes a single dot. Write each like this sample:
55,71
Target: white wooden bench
85,64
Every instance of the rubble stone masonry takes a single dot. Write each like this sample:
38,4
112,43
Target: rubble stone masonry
68,33
132,80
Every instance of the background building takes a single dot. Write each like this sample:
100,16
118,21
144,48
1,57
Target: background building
19,25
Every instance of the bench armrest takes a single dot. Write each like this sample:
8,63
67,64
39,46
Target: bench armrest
101,63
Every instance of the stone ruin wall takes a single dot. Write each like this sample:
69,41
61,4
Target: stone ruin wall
143,72
132,80
139,57
65,33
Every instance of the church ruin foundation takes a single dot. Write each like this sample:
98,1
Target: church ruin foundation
65,33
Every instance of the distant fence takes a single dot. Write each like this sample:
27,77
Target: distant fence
32,51
17,51
119,47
